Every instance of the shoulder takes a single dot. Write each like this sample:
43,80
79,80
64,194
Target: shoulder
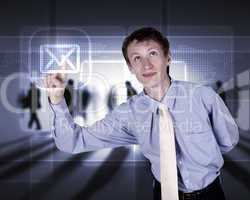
195,88
125,108
138,104
187,84
197,92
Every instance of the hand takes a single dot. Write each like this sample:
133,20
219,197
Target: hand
55,85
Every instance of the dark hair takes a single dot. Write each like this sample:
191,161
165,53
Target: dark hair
145,34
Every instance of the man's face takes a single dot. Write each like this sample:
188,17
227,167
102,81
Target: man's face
148,63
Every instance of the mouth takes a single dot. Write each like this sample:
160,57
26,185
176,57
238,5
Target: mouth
148,75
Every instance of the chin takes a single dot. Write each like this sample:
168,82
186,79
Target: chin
151,84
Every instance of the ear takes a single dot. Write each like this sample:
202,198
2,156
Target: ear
169,59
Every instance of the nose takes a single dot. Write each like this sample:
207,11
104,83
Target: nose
146,63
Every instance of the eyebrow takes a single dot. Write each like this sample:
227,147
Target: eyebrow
153,48
136,53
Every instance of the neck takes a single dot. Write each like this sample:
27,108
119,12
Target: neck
158,92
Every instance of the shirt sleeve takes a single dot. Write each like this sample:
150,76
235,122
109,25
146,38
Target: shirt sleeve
224,126
112,131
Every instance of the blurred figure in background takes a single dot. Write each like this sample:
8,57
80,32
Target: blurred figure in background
33,102
130,90
69,95
219,89
112,101
85,99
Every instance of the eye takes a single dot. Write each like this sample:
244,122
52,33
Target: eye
153,53
136,58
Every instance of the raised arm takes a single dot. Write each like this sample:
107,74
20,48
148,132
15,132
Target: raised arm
112,131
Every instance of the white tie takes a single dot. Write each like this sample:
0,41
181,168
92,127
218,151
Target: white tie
168,167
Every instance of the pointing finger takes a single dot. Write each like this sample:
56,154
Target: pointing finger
63,75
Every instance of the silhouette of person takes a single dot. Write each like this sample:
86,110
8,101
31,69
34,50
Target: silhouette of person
130,90
22,100
220,90
33,101
69,95
235,106
85,99
112,101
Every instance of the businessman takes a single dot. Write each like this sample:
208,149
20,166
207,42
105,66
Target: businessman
199,126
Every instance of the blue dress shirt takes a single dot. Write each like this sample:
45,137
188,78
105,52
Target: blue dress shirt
204,130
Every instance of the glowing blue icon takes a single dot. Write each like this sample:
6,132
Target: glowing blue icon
51,56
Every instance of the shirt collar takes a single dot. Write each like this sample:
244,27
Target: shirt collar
170,95
168,99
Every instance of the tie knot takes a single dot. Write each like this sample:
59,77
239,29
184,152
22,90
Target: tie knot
162,109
